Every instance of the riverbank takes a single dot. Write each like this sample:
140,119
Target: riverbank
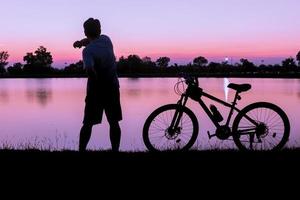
157,75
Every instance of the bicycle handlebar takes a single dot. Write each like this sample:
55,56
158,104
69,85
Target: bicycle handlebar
190,80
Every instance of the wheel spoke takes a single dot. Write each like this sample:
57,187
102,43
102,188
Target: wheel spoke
162,137
269,132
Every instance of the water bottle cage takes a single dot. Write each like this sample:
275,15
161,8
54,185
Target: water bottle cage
216,114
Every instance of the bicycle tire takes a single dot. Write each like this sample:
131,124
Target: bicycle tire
163,109
255,107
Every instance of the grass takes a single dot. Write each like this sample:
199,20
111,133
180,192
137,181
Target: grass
194,156
209,168
35,154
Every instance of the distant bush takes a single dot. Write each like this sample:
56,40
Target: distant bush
39,64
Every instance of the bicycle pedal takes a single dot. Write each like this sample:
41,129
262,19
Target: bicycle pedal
274,135
178,141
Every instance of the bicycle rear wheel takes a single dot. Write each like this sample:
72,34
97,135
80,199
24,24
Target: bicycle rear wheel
270,132
158,135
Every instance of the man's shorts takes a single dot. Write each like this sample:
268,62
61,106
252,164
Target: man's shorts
99,100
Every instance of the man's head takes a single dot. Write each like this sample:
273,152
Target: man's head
92,28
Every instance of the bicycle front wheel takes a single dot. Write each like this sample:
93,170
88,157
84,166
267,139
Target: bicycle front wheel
158,135
261,126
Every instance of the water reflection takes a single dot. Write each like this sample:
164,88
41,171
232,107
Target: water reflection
42,96
39,90
298,88
134,80
133,92
4,97
226,89
55,106
135,88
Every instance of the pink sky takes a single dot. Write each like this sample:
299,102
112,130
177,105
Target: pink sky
259,30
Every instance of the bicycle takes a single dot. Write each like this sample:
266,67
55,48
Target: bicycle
259,126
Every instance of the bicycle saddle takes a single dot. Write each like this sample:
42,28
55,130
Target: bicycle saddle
240,87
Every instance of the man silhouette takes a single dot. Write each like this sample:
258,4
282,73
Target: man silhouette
103,85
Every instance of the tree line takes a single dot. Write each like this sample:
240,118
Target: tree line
39,63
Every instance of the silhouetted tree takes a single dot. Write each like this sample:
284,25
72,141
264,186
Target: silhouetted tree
16,69
75,68
225,63
38,62
163,62
132,64
122,60
298,58
247,65
146,59
3,61
200,61
214,64
134,61
289,63
122,65
148,63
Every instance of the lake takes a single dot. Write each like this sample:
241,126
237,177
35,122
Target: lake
48,113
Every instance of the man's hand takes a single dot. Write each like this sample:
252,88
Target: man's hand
77,44
82,43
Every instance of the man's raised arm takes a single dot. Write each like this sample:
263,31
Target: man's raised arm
82,43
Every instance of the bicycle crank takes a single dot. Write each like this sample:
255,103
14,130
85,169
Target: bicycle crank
222,133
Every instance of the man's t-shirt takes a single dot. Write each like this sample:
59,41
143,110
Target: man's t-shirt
99,54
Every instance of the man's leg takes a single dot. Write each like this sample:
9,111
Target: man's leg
115,135
85,135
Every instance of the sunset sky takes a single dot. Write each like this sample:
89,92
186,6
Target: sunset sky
255,29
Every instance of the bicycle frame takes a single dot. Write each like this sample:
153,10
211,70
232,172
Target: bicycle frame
193,91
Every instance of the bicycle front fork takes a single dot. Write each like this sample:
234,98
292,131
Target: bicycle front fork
173,129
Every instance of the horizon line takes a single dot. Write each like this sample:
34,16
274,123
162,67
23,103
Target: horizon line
268,60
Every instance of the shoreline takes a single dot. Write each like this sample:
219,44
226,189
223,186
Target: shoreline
260,76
